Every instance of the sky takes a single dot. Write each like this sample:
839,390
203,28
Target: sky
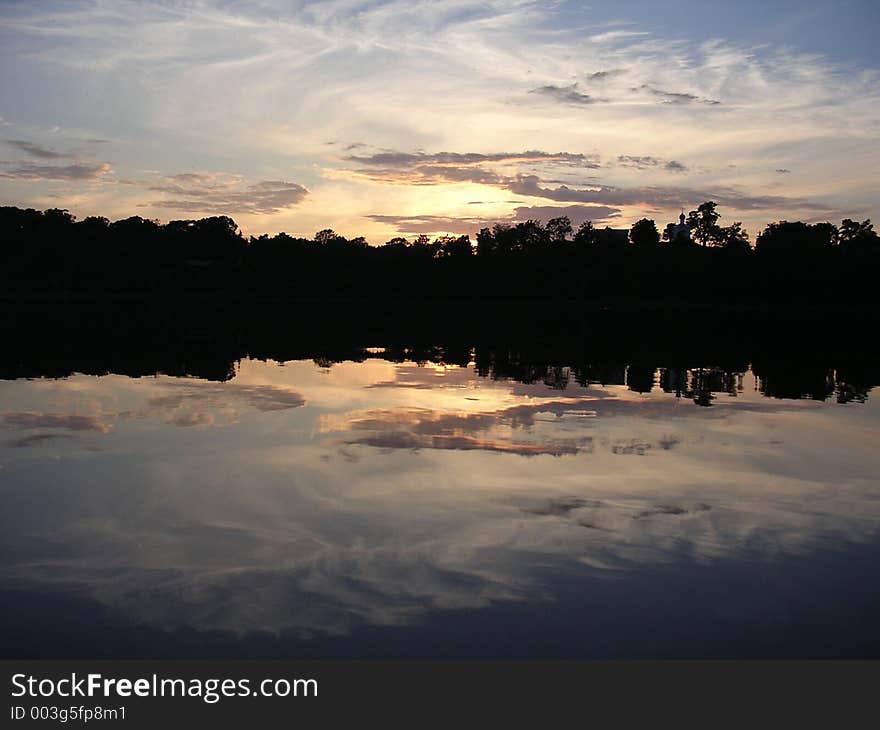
406,117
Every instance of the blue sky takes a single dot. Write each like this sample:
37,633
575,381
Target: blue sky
845,31
381,118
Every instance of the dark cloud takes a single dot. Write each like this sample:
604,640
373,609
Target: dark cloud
36,438
416,428
560,506
430,429
576,213
391,158
35,150
436,429
639,162
261,397
430,175
566,94
675,97
655,196
469,225
404,440
187,420
605,75
671,509
71,422
77,171
202,192
432,223
421,168
647,161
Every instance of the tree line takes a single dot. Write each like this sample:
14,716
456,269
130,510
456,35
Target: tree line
50,251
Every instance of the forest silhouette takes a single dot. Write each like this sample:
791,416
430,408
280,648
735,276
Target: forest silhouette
698,262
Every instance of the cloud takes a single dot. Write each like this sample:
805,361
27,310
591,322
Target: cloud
646,162
35,439
225,194
461,442
638,162
187,420
410,224
391,158
576,213
36,150
675,97
566,94
435,429
668,197
422,168
364,73
264,398
432,174
71,422
605,75
77,171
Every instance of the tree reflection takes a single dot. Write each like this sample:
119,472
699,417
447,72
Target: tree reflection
207,341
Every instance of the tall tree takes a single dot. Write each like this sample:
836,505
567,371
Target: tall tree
703,223
644,233
559,229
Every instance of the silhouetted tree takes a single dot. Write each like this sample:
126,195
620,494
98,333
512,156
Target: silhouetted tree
326,235
455,247
485,242
858,237
559,229
733,237
51,252
703,223
786,238
585,237
644,233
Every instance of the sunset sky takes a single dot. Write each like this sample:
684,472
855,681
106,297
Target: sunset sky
402,117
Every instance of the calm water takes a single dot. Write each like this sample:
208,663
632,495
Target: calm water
381,509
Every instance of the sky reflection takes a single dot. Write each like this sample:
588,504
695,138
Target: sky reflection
312,501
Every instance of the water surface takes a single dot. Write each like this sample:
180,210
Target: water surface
398,508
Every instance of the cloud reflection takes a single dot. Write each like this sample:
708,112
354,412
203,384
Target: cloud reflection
252,530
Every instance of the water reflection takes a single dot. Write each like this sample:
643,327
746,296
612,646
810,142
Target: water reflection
313,499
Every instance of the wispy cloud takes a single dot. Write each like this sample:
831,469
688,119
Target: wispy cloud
410,224
663,197
259,88
566,94
68,421
675,97
36,150
644,162
392,158
598,214
606,75
76,171
215,193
